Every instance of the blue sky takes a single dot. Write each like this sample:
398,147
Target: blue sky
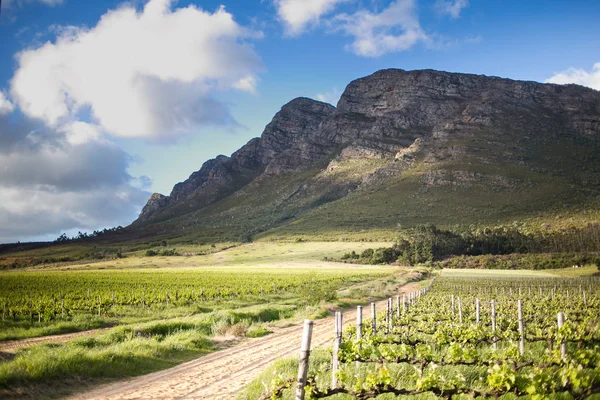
103,102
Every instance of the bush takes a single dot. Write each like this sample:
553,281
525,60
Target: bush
169,253
314,293
151,253
368,253
517,261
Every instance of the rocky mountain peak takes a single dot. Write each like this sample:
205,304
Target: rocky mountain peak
392,115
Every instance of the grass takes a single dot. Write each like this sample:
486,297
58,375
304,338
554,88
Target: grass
586,270
81,322
500,273
258,256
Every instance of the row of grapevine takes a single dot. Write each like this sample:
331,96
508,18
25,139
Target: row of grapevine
467,337
45,296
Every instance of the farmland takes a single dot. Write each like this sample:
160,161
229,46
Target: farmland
161,311
492,335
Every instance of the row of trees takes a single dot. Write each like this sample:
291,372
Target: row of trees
428,243
84,235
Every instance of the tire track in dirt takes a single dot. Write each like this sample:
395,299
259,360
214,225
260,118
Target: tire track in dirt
223,374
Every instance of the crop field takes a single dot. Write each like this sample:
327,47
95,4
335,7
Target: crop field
55,295
488,336
160,317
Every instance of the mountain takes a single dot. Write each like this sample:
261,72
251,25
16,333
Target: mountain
401,148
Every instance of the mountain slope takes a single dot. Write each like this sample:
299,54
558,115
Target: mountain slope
401,148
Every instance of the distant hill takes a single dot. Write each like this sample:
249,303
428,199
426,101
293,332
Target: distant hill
401,148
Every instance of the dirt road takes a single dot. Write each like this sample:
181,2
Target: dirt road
13,345
223,374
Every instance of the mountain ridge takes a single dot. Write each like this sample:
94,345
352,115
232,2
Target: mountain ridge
393,121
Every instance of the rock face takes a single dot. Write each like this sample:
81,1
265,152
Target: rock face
289,142
397,115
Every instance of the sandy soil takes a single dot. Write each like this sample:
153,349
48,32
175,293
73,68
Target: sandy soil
223,374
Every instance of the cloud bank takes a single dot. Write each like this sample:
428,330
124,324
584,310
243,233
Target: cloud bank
51,184
152,73
578,76
149,74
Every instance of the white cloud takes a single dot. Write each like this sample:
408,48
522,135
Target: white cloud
579,76
6,107
396,28
452,8
298,15
330,97
150,74
54,181
32,213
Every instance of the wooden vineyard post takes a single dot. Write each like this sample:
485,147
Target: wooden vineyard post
337,343
521,328
584,299
390,310
359,324
477,308
460,319
167,298
398,305
62,306
452,306
495,344
304,355
99,305
374,320
563,343
403,304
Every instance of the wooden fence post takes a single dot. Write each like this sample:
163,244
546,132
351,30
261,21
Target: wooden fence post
304,355
495,344
389,316
359,324
337,343
521,328
563,343
374,321
477,307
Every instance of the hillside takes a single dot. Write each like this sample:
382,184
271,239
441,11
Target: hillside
401,148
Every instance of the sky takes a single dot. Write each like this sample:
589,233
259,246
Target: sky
104,102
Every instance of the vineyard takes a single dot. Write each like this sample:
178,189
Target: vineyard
50,296
464,338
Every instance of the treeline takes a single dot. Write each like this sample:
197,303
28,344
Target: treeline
428,243
84,235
